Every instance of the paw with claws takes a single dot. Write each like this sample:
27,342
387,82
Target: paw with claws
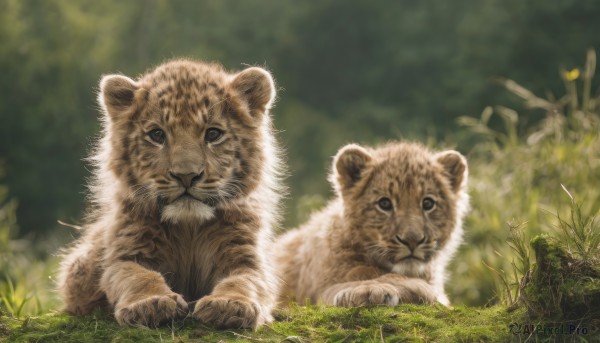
152,311
367,295
416,291
373,293
223,312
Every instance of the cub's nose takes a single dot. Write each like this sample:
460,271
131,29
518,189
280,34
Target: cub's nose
187,180
411,241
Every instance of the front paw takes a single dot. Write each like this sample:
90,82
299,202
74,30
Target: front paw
417,291
152,311
223,312
367,295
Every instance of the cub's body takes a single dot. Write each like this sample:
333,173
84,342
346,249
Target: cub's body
356,253
184,197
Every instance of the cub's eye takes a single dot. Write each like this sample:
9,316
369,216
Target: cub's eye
213,134
157,136
428,204
385,204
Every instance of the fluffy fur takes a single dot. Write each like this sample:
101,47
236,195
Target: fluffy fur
364,250
185,195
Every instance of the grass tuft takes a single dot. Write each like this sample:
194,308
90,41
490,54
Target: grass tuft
581,233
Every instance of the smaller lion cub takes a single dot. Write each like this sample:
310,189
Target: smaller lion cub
387,237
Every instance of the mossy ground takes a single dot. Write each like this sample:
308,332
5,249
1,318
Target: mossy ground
405,323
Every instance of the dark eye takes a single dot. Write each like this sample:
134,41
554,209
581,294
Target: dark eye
213,134
428,204
385,204
157,136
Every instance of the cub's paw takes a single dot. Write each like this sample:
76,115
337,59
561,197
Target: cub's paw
416,291
222,312
152,311
367,295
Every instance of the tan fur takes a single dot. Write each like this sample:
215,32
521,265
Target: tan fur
353,252
150,249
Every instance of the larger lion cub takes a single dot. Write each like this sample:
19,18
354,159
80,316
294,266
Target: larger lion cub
184,197
387,237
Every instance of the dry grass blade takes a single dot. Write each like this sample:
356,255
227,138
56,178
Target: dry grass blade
503,279
588,75
567,191
531,100
245,337
590,64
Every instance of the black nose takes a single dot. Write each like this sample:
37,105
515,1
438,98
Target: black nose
187,180
411,241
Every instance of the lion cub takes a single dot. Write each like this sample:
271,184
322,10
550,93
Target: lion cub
387,237
184,197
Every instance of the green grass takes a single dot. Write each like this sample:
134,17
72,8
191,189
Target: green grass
405,323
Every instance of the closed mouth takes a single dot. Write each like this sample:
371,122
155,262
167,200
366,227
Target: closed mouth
185,195
188,196
411,257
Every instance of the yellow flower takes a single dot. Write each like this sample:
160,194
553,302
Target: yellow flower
571,75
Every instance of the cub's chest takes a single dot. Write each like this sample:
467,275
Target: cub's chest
191,264
190,247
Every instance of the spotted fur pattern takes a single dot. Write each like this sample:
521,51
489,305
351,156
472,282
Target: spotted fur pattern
387,237
185,195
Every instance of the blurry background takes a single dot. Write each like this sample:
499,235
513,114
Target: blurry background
346,71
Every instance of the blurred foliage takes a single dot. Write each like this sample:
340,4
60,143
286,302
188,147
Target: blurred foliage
25,269
518,176
346,71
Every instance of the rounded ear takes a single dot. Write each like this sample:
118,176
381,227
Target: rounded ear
117,94
455,168
256,86
349,164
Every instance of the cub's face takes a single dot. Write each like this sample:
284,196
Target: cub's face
187,136
400,201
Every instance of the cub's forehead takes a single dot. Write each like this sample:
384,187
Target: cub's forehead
186,72
186,88
404,157
404,166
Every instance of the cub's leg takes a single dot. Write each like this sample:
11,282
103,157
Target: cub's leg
389,290
141,297
246,295
78,280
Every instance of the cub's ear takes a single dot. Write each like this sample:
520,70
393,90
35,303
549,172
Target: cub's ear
455,168
350,163
117,94
256,86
